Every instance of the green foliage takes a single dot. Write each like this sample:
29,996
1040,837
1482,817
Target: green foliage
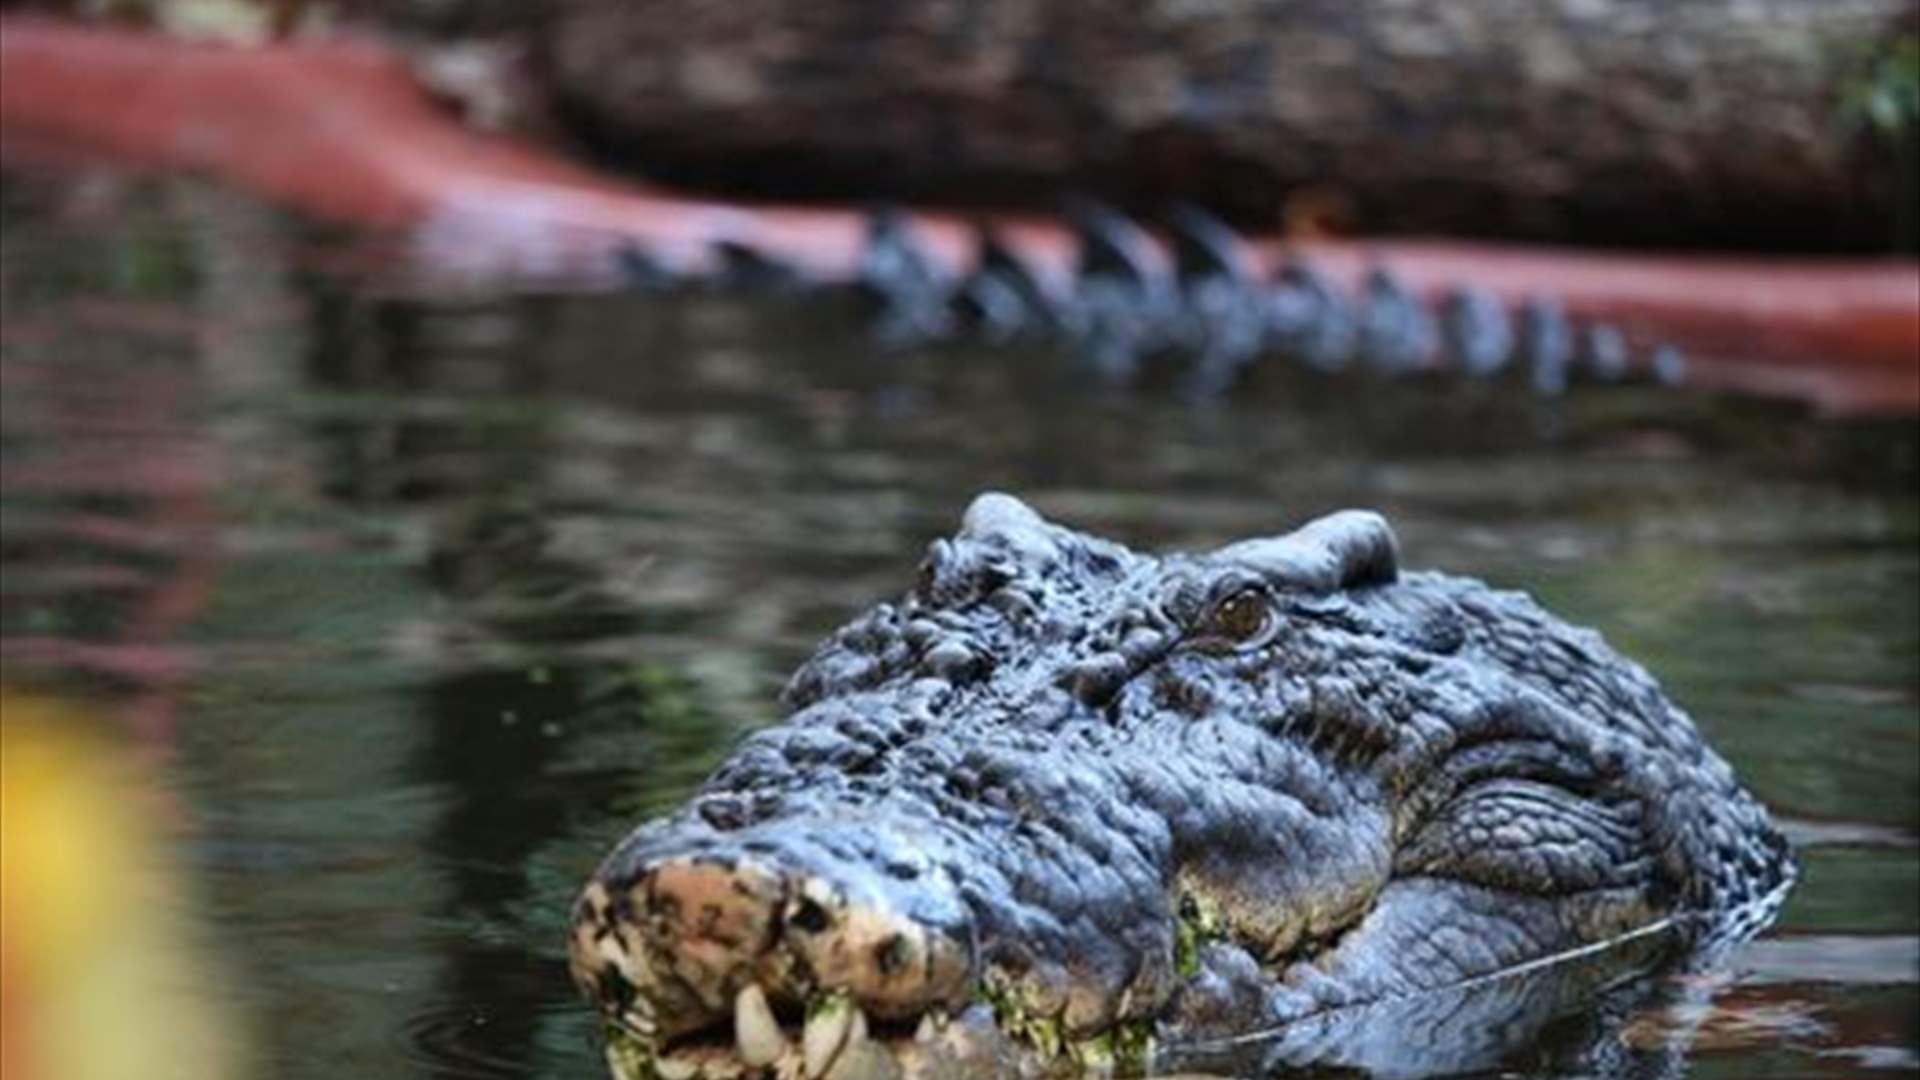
1199,922
1885,97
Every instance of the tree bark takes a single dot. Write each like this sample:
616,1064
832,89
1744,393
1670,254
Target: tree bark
1622,122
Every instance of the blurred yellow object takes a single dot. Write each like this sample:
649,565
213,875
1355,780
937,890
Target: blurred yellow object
98,977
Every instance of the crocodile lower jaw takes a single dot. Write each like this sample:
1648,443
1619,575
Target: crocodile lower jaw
837,1041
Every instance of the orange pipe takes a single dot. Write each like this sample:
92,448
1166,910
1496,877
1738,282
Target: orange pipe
339,128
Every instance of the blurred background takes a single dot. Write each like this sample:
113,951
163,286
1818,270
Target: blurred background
352,608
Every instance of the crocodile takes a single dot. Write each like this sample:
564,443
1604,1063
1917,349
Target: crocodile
1068,807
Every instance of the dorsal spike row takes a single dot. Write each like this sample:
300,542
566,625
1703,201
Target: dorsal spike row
1477,331
1198,295
1125,306
1204,246
1003,298
892,262
1546,344
1113,246
741,265
1225,323
913,296
1396,334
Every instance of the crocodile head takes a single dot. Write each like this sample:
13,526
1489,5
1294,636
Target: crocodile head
1066,805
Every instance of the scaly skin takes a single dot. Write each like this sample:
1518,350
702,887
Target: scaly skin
1067,806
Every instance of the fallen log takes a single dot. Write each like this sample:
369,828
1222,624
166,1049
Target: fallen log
1725,124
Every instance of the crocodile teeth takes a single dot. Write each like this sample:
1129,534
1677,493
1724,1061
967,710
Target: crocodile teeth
755,1031
863,1058
667,1068
927,1030
827,1032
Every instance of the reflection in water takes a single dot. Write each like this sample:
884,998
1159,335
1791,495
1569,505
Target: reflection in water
1562,1018
488,734
501,735
515,747
479,581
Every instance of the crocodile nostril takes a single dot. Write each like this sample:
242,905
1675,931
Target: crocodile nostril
613,989
808,916
891,955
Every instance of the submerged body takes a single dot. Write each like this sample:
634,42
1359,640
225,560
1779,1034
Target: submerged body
1067,807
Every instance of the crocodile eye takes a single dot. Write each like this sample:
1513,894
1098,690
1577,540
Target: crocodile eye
1242,616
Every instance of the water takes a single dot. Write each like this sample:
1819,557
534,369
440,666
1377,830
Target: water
411,604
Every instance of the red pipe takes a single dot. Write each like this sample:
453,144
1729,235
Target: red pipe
340,129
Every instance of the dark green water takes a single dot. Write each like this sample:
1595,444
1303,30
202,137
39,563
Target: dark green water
421,600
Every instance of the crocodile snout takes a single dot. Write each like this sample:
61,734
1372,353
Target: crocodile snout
667,944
